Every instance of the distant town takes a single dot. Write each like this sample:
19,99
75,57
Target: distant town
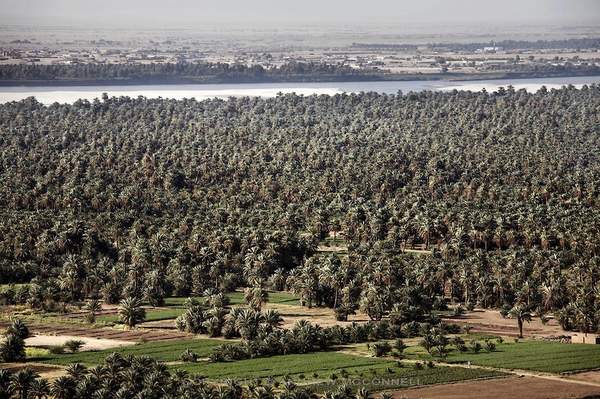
576,55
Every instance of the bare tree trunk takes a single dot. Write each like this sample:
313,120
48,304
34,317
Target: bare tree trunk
520,322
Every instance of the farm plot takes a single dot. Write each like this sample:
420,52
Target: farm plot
105,333
491,322
551,357
161,351
151,315
513,387
322,369
89,344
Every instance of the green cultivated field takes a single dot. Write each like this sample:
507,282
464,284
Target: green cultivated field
317,369
324,363
164,351
406,377
237,298
551,357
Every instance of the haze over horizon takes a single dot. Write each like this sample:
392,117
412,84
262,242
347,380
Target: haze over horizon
273,13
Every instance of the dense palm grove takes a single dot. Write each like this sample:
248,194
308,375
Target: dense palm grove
141,199
197,72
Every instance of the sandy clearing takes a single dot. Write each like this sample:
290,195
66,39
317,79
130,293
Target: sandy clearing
511,387
338,248
134,335
490,321
325,317
90,344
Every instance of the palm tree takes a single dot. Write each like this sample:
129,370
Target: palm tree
256,296
39,389
77,371
92,308
18,328
522,314
63,388
272,318
131,312
5,386
363,393
248,322
12,348
21,382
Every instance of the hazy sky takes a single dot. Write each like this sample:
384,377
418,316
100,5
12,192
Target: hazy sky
188,13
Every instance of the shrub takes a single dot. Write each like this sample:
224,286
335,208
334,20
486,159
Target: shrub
476,347
73,345
459,344
399,345
458,311
189,356
462,347
216,356
341,314
451,328
380,349
439,303
490,346
57,350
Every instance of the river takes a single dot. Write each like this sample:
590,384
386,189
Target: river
69,94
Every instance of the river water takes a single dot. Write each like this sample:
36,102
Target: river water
69,94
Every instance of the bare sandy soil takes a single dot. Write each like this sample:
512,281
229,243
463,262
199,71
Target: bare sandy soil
588,376
334,248
325,317
90,344
490,321
509,388
135,335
